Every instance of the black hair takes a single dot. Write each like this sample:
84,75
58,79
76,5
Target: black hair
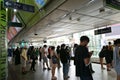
32,47
58,46
109,43
52,47
117,41
45,46
84,38
62,46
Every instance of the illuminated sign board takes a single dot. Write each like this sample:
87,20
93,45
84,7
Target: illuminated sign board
113,3
19,6
102,31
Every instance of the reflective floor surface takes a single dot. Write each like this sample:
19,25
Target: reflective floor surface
39,74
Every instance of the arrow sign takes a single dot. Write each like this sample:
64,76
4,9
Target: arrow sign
19,6
8,4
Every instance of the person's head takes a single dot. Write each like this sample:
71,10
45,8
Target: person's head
58,47
32,47
63,46
17,48
25,47
53,48
84,40
45,46
104,48
109,43
117,42
75,45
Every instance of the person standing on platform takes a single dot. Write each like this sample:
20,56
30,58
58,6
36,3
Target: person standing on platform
116,57
74,48
108,59
10,55
44,56
17,56
64,57
37,52
33,58
49,57
110,48
82,60
24,59
58,54
54,60
101,56
40,53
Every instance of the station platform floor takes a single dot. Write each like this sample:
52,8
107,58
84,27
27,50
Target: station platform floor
15,73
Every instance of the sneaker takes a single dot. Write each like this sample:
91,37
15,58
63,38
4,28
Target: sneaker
49,69
54,78
44,68
66,77
24,73
92,71
103,68
108,69
34,70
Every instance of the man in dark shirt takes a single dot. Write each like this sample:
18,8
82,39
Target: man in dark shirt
82,60
64,57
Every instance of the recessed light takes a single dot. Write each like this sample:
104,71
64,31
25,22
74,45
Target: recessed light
70,18
35,34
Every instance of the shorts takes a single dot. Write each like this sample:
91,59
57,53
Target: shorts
45,59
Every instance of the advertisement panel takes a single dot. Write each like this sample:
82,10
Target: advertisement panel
3,42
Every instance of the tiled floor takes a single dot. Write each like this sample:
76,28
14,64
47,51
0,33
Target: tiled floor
46,75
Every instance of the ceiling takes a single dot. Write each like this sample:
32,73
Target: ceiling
73,16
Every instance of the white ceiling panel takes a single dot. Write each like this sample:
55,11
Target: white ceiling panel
71,17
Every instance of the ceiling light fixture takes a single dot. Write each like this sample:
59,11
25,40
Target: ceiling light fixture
35,34
101,10
78,19
70,18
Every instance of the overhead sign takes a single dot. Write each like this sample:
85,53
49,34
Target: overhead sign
19,6
14,24
113,3
102,31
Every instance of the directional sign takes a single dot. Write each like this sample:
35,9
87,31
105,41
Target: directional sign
19,6
102,31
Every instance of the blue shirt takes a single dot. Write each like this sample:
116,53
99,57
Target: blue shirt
116,59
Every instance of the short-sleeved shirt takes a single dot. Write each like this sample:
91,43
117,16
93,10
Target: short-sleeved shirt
64,56
116,59
81,53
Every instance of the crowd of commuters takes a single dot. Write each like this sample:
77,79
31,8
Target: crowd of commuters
60,56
